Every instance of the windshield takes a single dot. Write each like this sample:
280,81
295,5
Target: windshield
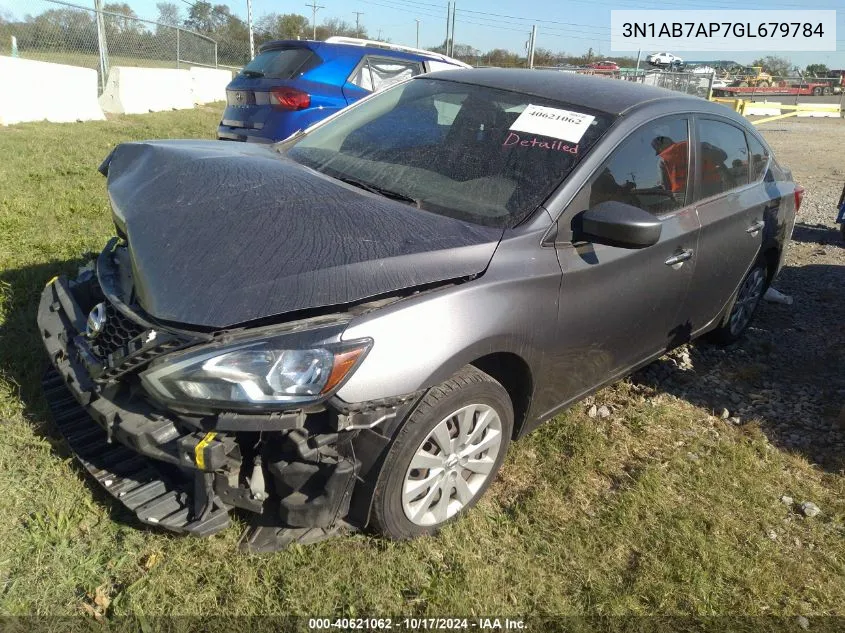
468,152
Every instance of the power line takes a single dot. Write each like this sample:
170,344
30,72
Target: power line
575,28
532,20
511,30
510,26
398,8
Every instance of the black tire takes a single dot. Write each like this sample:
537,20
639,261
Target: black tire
826,90
842,230
763,84
468,386
817,91
729,330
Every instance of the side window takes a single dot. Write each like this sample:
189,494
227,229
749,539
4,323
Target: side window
378,73
649,170
759,157
723,156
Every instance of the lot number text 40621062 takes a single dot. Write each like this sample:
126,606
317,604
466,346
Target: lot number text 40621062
416,624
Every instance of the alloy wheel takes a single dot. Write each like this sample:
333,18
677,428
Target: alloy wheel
452,464
747,299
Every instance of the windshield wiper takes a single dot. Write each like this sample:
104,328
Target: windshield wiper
252,73
387,193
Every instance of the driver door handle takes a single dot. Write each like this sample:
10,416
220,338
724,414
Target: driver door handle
755,228
679,258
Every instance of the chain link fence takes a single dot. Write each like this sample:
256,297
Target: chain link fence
698,84
691,83
56,31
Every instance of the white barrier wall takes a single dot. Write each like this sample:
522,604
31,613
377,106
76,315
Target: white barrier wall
132,90
35,91
209,84
822,113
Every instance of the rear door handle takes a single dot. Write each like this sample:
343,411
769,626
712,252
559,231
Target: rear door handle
679,258
755,228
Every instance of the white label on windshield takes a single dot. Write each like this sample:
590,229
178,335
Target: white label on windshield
563,124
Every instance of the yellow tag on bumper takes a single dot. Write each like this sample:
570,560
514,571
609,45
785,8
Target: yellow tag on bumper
200,449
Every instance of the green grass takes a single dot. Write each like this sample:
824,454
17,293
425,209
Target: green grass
589,517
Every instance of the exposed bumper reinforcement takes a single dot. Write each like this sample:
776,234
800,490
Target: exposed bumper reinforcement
157,493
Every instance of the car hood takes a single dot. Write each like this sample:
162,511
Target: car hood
222,234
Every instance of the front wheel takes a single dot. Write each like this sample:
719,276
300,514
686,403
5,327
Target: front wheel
743,306
444,457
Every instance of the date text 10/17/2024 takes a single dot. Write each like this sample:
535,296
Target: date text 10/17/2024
418,624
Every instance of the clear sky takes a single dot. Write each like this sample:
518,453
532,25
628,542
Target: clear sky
570,26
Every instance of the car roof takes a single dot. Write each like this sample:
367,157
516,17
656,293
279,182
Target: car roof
612,96
349,48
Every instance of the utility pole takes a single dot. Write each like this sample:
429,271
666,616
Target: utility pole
358,15
378,37
314,6
452,41
448,18
531,46
418,31
251,33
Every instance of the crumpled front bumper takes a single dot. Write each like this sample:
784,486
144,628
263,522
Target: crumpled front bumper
155,493
140,457
187,473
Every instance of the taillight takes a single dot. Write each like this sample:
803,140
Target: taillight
289,98
799,197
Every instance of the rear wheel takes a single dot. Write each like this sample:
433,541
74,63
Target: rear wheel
445,456
826,90
763,84
817,91
743,306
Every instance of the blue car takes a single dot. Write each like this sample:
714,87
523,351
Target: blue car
292,84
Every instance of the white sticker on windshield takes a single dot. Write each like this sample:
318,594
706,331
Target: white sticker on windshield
563,124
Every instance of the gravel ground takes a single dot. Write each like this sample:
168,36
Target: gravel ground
788,373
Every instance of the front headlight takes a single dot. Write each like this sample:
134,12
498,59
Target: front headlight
255,374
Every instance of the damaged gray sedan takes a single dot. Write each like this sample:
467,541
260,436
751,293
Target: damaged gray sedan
347,329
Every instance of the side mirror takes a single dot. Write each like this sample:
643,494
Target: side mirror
617,224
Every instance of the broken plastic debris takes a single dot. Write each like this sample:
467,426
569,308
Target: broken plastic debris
777,297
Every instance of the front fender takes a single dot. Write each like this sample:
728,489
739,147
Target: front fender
422,340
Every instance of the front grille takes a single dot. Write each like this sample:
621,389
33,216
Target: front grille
125,346
116,333
128,364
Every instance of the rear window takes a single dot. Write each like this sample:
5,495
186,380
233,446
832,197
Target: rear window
468,152
282,63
